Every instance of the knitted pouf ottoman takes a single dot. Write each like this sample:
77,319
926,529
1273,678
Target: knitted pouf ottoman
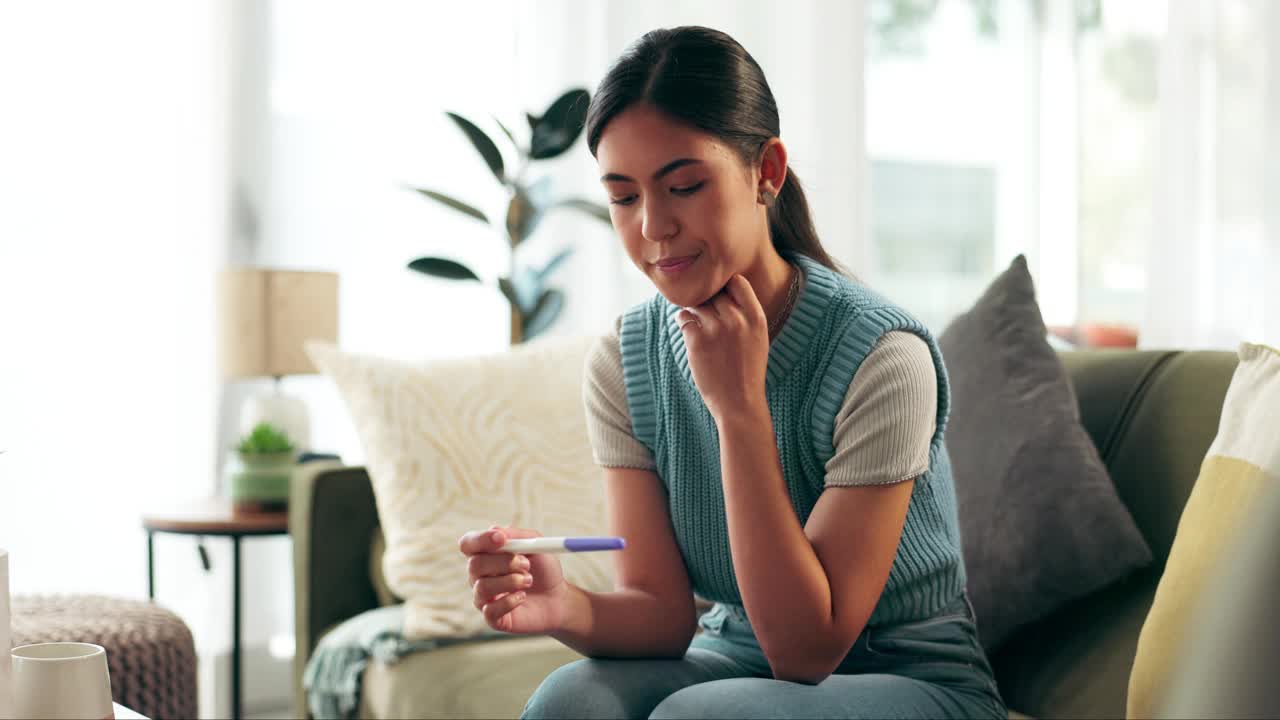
150,653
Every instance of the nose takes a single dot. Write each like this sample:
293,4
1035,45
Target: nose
659,222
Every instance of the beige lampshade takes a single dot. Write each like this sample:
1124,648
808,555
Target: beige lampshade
266,315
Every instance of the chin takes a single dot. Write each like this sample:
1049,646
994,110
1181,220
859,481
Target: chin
684,292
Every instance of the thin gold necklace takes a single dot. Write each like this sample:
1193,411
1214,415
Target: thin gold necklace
792,291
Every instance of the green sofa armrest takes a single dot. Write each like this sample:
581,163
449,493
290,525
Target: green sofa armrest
332,517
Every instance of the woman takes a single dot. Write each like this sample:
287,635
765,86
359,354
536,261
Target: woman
771,434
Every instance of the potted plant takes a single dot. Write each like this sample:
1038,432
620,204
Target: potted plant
534,305
262,482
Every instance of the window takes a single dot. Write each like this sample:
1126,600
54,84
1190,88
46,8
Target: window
998,127
1118,71
949,139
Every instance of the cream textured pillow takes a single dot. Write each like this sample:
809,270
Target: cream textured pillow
459,445
1242,463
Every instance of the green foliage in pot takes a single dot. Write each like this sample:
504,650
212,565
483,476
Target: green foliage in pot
262,482
534,305
265,439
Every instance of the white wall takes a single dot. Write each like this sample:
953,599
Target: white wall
113,211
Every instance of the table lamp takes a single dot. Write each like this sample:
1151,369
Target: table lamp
265,316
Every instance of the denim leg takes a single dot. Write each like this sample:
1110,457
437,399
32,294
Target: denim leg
839,696
624,688
933,668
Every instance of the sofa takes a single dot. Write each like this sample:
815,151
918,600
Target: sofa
1151,414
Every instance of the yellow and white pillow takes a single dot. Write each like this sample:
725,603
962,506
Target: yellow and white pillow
1242,464
459,445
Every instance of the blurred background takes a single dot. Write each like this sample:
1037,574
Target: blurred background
1130,148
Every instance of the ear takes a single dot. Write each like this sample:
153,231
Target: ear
773,166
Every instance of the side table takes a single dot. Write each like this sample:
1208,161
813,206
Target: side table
216,517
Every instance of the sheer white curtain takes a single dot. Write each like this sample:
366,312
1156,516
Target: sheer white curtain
111,165
1213,275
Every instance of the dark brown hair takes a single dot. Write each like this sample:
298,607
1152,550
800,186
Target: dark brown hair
704,78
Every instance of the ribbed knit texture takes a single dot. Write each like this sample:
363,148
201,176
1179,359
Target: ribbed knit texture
604,395
833,326
882,431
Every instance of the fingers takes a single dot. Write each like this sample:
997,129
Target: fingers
498,579
487,589
492,540
727,308
490,571
496,611
490,565
736,305
688,321
744,296
701,319
482,541
719,313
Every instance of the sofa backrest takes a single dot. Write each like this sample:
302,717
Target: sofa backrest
1152,416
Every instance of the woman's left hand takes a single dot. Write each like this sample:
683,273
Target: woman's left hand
727,338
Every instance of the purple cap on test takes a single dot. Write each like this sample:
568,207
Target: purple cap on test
588,544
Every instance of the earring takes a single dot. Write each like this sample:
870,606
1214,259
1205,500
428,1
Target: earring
766,198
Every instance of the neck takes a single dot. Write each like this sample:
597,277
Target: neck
770,278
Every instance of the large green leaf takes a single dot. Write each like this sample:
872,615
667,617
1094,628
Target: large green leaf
455,204
483,144
442,268
539,192
506,131
527,285
554,263
556,130
544,313
595,210
522,217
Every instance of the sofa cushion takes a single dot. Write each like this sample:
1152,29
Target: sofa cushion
459,681
1041,523
458,445
1226,632
1242,463
1152,415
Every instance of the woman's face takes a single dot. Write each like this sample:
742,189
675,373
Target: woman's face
683,203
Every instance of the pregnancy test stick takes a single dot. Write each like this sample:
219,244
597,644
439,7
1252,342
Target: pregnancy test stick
562,544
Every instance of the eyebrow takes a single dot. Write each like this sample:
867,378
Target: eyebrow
664,170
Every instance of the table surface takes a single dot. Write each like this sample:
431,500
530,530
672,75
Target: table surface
216,516
124,713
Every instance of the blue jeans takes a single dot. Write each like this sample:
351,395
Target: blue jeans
931,668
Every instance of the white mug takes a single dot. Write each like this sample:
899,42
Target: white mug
60,681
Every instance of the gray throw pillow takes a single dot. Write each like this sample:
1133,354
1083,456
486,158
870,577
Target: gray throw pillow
1041,523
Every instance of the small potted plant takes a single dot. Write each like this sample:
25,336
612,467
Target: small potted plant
262,483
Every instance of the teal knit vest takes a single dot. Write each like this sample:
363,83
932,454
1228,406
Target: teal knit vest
832,327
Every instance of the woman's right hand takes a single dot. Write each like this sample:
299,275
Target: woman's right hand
518,593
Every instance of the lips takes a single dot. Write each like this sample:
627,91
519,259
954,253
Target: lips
675,263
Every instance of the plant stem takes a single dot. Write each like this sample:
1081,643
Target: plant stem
517,327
